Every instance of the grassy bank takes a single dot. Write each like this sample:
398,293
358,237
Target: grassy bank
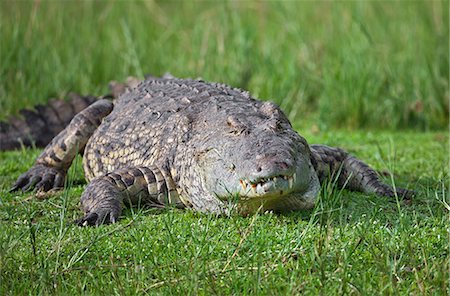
369,77
350,243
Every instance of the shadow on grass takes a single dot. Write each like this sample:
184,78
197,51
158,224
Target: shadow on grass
333,206
336,206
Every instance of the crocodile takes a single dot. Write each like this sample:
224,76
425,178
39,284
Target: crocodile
193,144
38,126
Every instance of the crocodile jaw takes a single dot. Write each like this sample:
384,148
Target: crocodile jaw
267,187
282,193
279,200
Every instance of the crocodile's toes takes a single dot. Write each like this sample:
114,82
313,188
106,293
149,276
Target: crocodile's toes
98,217
406,193
87,220
41,178
21,182
50,181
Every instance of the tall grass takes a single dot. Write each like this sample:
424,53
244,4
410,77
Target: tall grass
347,64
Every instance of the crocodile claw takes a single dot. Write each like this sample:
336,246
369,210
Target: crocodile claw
406,194
98,217
41,178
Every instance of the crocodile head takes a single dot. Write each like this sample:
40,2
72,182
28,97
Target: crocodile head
258,161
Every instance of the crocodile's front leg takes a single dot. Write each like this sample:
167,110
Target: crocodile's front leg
51,166
331,162
103,198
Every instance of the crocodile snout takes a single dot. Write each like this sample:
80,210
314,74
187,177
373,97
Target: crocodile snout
272,164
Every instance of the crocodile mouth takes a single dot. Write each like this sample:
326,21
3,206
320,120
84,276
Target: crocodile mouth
278,185
282,193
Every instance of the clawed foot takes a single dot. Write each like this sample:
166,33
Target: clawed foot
40,177
405,194
98,217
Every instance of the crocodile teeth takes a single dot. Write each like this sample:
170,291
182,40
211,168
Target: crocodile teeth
248,185
259,188
291,182
244,187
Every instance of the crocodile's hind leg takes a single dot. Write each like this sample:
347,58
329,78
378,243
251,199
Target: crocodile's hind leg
103,198
356,175
51,166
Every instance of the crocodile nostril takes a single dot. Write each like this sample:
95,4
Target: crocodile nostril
272,164
283,165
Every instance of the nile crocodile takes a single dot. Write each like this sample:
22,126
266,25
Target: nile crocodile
196,144
38,126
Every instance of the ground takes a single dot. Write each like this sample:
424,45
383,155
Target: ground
370,77
349,243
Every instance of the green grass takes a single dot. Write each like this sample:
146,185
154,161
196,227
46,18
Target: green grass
381,67
350,242
348,64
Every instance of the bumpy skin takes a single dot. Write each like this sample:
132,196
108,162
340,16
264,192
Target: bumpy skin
194,144
38,126
51,166
41,124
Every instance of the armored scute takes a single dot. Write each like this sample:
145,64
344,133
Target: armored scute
193,144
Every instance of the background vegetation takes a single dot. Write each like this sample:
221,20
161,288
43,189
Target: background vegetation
371,77
380,64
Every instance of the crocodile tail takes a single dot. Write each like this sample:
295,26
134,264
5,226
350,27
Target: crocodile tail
40,125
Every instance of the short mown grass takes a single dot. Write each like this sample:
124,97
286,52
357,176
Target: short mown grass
369,77
350,243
